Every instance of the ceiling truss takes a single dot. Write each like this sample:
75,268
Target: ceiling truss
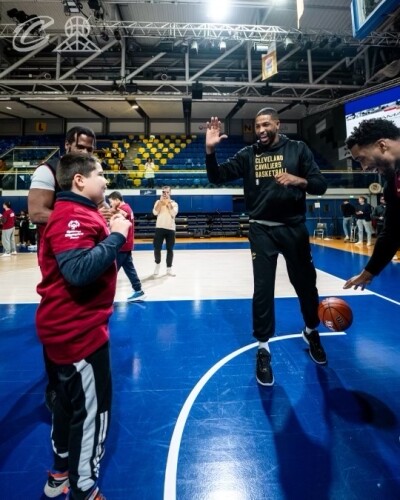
129,66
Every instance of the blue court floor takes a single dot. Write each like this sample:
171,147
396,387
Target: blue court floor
189,420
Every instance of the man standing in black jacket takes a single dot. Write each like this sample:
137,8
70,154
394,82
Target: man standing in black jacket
348,210
375,143
277,173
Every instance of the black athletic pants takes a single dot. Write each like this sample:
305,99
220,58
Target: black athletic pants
169,236
81,419
124,260
266,242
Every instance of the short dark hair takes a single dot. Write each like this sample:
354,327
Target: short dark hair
370,131
74,133
72,164
269,111
115,195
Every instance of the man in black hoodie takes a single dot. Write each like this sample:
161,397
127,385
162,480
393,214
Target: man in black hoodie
277,173
375,143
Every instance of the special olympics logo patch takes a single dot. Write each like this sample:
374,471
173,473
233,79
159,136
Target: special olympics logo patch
73,233
73,224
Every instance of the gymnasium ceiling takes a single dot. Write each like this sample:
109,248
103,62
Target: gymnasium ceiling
153,53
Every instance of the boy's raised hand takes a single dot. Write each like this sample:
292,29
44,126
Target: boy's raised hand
118,224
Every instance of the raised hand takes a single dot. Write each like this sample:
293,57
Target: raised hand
213,134
118,224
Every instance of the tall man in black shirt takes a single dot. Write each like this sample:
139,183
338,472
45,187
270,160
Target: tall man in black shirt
375,143
277,173
348,210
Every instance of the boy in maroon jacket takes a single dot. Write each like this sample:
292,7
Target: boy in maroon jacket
124,258
78,253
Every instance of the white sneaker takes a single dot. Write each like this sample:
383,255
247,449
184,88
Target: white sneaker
13,253
170,272
395,257
369,244
6,255
157,270
346,238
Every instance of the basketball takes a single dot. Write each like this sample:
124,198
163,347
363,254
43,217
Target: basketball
335,314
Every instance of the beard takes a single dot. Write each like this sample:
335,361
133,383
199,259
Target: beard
271,136
384,167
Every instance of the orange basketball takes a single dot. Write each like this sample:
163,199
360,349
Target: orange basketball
335,314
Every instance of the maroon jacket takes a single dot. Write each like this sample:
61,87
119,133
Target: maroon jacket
8,217
79,279
128,246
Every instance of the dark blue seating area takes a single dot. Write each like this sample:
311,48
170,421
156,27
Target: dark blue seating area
192,158
185,169
199,225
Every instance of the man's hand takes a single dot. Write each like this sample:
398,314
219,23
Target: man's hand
361,280
213,135
286,179
118,224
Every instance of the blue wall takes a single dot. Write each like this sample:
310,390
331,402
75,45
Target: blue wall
328,212
144,204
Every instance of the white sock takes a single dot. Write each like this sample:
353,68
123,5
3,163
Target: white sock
309,330
263,345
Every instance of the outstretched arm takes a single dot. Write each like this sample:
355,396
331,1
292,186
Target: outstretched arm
361,280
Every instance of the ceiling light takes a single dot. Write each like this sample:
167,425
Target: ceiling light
222,45
94,4
47,98
288,43
98,10
335,41
323,42
261,47
104,35
71,7
117,35
21,17
194,47
218,11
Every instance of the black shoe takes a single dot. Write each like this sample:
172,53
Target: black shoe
264,371
50,399
316,350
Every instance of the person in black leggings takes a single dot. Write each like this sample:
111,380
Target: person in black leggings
166,210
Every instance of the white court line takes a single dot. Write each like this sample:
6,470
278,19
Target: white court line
173,452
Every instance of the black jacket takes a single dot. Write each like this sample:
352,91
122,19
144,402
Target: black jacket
348,210
258,166
388,240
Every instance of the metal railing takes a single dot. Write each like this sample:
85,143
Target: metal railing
19,177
